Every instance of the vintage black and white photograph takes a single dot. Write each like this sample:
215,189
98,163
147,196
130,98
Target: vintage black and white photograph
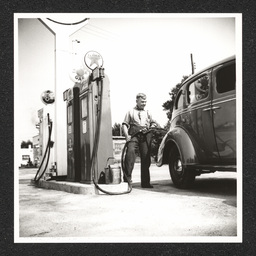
127,127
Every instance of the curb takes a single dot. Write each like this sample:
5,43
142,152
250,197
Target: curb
78,188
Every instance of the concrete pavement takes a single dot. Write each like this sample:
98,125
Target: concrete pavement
162,214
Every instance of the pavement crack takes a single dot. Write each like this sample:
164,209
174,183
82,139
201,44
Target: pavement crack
41,233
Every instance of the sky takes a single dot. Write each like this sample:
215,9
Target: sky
141,53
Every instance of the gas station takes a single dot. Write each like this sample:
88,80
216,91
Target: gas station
76,149
75,125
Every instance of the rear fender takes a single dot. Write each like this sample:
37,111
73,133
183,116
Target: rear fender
179,138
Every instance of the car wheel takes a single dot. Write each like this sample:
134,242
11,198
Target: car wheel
181,177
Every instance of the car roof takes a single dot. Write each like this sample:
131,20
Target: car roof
211,66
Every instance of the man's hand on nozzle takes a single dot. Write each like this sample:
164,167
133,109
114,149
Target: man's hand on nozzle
144,130
153,125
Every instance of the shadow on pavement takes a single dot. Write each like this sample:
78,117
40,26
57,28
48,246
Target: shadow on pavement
213,187
220,187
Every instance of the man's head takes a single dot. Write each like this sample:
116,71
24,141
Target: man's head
141,100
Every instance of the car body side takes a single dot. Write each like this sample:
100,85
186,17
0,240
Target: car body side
204,131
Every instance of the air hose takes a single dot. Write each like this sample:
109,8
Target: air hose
46,153
96,145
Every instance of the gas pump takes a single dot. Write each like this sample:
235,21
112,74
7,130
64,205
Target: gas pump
83,113
45,132
83,116
89,125
99,141
73,133
95,108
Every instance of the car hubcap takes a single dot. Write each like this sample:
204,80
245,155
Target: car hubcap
178,167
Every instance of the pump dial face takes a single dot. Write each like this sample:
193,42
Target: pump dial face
93,60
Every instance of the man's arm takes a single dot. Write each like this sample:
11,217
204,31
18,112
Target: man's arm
125,130
153,123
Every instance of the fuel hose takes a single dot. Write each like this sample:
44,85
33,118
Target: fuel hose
95,149
96,145
46,156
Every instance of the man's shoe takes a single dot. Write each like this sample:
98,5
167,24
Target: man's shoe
125,180
147,186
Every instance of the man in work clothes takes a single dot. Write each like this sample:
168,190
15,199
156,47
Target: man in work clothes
138,119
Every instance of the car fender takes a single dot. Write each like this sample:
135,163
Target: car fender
178,137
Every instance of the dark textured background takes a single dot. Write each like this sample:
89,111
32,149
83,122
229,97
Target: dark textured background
247,8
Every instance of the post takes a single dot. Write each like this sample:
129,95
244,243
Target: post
192,63
62,82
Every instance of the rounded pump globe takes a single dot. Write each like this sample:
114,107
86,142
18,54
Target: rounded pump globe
80,72
79,75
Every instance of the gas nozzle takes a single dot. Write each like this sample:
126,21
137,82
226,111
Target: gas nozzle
144,130
51,143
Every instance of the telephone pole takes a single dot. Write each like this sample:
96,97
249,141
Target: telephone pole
192,63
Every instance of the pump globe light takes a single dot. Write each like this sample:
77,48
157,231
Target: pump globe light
80,72
79,75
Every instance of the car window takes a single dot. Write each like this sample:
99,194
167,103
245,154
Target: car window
179,100
198,89
226,78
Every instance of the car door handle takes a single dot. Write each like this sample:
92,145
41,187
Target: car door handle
206,109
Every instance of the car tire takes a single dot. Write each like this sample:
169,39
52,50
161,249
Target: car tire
181,177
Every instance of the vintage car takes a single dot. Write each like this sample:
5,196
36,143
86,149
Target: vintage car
202,134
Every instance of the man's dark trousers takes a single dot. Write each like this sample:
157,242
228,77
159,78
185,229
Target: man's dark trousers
141,142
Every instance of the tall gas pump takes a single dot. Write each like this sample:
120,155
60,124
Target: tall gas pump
73,133
45,132
89,122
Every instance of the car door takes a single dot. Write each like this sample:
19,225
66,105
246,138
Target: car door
224,111
199,117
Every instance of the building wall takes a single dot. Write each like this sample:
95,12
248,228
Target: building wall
25,155
118,145
36,150
33,153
